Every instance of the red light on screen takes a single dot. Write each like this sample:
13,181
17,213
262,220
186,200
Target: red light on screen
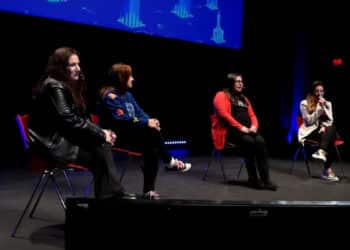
337,62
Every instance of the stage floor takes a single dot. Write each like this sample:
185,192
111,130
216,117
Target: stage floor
46,230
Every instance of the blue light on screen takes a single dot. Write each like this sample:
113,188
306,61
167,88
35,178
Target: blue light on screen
212,22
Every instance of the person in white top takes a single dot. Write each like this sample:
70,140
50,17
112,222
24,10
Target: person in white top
318,125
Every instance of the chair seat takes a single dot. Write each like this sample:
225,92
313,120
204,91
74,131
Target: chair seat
78,167
311,142
339,142
126,151
230,145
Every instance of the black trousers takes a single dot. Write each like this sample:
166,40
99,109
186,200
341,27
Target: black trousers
255,153
149,142
99,160
326,141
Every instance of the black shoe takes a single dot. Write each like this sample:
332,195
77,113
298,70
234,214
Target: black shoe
117,195
270,186
125,196
256,184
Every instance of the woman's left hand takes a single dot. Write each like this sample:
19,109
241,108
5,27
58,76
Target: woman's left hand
253,129
322,130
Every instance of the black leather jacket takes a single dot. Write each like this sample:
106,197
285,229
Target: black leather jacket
56,126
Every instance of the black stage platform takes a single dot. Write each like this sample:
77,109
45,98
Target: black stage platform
99,223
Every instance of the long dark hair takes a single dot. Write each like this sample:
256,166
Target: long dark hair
57,68
311,99
234,97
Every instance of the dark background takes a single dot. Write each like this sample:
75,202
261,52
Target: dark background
284,44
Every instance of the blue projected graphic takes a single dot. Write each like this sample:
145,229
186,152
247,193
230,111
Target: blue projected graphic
132,17
218,33
212,4
182,9
212,22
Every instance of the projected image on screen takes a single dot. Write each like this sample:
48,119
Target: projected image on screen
213,22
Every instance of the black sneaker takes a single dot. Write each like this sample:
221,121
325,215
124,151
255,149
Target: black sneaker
118,195
270,186
126,196
256,184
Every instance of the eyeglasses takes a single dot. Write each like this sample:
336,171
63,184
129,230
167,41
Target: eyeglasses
238,80
319,91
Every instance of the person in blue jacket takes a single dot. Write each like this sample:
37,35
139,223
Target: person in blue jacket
136,130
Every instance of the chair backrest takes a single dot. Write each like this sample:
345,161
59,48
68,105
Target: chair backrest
22,124
36,161
94,118
228,144
300,121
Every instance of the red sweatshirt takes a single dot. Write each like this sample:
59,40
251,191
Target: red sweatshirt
222,117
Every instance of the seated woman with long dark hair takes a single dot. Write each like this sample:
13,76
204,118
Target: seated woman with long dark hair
319,126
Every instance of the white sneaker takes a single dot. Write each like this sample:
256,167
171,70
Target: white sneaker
151,195
329,176
179,165
320,155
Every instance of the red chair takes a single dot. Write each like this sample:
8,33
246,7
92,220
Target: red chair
47,170
216,156
312,144
129,153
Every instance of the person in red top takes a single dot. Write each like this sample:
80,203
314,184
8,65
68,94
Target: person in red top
234,120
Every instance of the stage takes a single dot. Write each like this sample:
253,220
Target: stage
183,194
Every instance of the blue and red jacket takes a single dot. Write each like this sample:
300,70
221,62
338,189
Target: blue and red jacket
123,106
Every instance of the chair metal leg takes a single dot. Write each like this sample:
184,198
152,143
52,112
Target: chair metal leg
69,181
47,176
41,178
295,157
122,173
71,187
58,191
240,168
88,187
339,160
123,167
213,155
219,158
216,155
308,168
306,159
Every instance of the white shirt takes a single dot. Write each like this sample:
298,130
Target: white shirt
312,121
